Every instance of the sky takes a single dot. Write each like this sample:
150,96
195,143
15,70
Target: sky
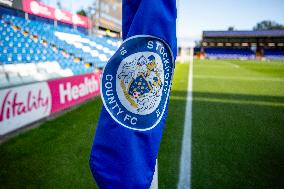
195,16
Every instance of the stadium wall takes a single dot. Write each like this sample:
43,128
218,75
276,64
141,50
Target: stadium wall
26,104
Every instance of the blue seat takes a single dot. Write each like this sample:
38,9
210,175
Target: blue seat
22,48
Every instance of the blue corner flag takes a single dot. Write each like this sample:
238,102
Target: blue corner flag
135,87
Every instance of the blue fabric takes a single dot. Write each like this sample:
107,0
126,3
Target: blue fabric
122,158
148,17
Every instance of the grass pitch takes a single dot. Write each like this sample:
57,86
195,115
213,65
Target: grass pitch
237,134
56,154
238,119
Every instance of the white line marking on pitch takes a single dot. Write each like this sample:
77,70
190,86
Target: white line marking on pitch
185,161
233,65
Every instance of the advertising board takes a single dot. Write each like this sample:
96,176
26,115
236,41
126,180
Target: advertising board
23,105
69,91
40,9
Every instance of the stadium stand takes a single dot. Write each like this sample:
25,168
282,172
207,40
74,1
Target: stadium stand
31,50
261,45
229,53
274,54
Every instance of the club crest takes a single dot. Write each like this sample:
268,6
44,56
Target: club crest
140,82
136,82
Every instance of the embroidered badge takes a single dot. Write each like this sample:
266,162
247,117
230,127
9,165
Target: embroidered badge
136,82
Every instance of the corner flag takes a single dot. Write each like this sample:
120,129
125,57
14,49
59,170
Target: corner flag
135,89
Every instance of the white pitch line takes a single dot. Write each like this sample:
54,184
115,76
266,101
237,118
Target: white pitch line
185,161
232,65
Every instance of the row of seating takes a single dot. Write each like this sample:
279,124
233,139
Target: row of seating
229,53
242,53
59,38
274,54
15,74
29,43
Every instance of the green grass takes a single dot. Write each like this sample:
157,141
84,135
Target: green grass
56,154
169,155
238,119
237,134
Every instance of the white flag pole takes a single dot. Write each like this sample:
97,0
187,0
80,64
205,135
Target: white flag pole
154,184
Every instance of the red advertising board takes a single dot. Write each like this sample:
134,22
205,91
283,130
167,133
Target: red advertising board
40,9
79,20
63,16
23,105
69,91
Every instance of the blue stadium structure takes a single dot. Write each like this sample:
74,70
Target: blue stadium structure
264,45
32,50
229,53
274,54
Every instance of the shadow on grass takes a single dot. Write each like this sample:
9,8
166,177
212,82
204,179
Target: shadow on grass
235,145
227,97
170,149
237,140
54,155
